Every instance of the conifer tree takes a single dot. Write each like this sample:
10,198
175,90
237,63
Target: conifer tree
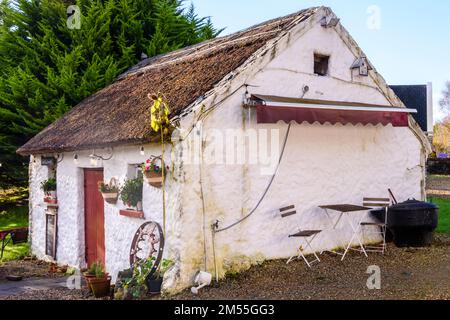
47,68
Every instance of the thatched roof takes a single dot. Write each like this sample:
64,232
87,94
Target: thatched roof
118,114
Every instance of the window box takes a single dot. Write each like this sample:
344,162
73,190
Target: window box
132,213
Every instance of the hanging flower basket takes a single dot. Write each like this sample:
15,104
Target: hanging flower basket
110,191
49,188
50,197
154,172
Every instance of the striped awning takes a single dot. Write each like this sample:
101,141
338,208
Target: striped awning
271,109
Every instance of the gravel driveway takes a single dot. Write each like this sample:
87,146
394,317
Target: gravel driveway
30,269
405,274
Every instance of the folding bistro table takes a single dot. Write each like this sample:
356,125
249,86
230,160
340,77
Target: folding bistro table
344,211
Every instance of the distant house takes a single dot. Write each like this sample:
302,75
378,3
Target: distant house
419,97
317,122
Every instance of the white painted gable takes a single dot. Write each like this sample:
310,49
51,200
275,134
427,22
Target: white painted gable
293,67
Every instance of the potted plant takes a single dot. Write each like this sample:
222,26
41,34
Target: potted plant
49,188
98,280
89,274
109,191
135,287
154,281
154,172
131,193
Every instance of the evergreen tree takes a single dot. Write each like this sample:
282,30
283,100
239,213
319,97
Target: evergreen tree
47,68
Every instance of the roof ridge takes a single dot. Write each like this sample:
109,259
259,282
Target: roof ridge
117,106
196,49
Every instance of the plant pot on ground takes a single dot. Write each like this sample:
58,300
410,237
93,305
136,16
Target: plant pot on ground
101,287
98,281
154,280
131,193
154,284
130,284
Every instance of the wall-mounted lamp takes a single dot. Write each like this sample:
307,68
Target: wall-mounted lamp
75,158
142,151
329,21
93,159
59,158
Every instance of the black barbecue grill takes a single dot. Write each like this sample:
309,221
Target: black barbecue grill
411,223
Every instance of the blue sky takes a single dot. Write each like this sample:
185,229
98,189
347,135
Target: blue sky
411,45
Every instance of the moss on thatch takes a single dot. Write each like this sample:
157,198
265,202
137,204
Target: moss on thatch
117,114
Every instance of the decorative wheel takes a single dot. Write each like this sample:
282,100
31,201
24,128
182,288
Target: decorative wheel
148,242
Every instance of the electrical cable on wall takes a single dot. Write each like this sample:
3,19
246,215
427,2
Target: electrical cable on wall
215,225
203,115
265,191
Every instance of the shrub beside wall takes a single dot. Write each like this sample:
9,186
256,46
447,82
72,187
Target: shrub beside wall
438,166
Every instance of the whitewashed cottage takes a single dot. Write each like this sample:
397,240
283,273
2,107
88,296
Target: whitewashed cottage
298,87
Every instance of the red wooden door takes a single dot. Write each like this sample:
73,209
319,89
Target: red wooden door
94,217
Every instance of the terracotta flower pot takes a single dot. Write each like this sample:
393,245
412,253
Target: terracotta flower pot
100,287
88,278
155,179
50,197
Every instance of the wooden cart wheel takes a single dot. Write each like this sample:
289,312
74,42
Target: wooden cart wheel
148,242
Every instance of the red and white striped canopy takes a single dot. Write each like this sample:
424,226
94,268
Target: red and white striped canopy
271,109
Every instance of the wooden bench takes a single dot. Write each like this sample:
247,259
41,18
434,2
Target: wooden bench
18,235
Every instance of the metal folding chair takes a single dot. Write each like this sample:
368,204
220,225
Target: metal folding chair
306,235
377,227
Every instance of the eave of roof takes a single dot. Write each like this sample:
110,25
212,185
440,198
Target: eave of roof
118,114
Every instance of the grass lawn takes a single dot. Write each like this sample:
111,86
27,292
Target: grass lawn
14,217
444,214
13,196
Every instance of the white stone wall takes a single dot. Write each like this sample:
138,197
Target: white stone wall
119,230
323,164
37,208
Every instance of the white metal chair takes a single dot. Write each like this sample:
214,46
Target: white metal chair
306,235
377,227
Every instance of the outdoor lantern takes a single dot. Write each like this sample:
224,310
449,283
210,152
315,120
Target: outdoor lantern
93,160
329,22
362,65
75,158
142,151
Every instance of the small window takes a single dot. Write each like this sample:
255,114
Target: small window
321,64
134,171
